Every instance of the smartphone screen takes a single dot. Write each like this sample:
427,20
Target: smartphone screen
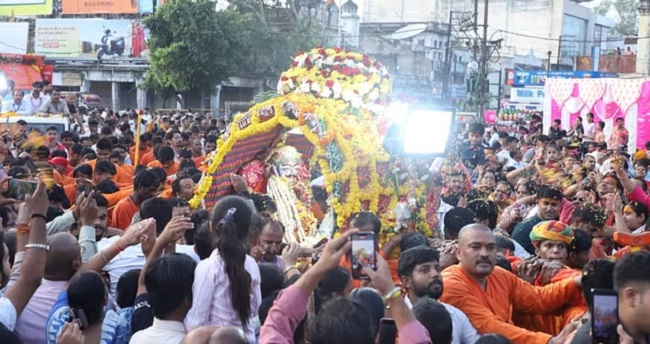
363,253
85,187
387,331
18,189
604,316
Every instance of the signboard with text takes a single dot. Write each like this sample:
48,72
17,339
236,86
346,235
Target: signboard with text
538,78
99,6
25,7
114,39
528,95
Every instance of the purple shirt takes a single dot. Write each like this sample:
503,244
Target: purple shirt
32,322
290,307
278,262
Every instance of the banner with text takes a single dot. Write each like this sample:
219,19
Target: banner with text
99,6
101,39
25,7
14,38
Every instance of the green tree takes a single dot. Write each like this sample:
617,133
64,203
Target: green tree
193,47
626,15
276,31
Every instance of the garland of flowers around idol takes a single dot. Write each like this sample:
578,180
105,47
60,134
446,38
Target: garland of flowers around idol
337,74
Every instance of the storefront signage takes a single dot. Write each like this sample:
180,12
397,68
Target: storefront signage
527,95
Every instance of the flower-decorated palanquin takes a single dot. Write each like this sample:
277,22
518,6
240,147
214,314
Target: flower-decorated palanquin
327,116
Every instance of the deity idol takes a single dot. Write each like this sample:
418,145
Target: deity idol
285,178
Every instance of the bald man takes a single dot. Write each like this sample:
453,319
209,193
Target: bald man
199,335
488,294
215,335
63,260
228,335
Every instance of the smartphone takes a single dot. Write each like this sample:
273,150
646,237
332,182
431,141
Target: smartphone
604,316
387,331
18,189
363,253
316,256
321,242
84,187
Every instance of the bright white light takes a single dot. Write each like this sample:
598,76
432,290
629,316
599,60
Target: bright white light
396,112
426,131
3,82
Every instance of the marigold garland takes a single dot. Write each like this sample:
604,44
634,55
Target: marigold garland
334,73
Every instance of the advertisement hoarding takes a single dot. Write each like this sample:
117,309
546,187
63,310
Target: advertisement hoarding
90,38
25,7
14,38
95,7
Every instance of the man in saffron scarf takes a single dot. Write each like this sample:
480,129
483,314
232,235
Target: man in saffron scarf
553,241
488,295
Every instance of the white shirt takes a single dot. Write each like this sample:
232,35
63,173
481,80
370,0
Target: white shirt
8,313
494,138
520,251
463,332
36,103
212,304
589,132
23,109
442,211
161,332
504,157
516,164
132,258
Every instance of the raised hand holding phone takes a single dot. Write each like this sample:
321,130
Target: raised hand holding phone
604,315
364,254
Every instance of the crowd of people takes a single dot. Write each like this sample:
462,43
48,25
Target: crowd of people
106,248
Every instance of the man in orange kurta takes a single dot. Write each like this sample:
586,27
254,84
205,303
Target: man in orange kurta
81,174
171,169
145,186
144,148
488,294
555,241
165,159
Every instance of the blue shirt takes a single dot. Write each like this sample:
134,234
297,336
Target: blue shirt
116,327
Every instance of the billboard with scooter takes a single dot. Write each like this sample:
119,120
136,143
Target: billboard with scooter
91,39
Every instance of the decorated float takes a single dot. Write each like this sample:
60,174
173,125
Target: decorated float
327,118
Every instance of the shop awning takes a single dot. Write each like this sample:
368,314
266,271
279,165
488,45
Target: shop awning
23,70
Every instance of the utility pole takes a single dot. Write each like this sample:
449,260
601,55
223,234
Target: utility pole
445,85
459,22
482,77
559,54
475,46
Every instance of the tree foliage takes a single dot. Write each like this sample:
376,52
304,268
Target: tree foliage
626,12
277,31
193,47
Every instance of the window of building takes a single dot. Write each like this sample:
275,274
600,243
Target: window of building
574,34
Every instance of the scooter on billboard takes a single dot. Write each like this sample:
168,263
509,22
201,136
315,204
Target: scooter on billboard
114,47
